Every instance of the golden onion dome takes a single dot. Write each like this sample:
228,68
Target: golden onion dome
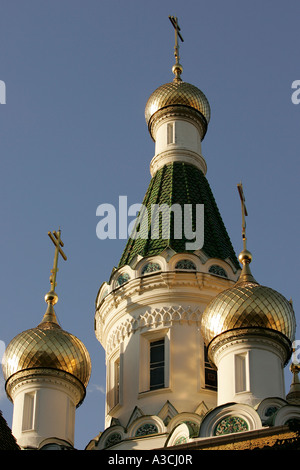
177,93
47,346
248,305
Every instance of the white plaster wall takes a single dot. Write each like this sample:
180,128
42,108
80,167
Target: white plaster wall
185,147
186,136
264,372
184,386
167,302
54,413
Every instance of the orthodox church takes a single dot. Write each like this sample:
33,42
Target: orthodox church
195,346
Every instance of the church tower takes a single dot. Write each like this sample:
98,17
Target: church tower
47,371
195,346
148,314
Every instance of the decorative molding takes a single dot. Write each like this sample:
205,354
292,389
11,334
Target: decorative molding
184,112
53,377
229,410
263,336
111,293
167,412
159,317
159,286
177,155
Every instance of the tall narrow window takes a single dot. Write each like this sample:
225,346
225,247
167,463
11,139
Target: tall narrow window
114,380
170,138
28,412
240,373
117,381
157,364
210,373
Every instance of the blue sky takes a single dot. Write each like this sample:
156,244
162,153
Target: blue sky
73,136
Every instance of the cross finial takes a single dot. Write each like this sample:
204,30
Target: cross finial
244,213
55,237
177,68
51,298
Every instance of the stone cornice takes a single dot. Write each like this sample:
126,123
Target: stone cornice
263,336
166,288
180,155
144,287
184,112
54,377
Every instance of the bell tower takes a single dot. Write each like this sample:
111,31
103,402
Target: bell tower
148,314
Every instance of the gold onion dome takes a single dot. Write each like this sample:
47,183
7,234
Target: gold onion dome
47,346
175,94
178,96
248,305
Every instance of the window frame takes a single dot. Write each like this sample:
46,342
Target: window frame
144,368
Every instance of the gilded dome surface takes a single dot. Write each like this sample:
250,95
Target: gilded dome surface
248,304
177,93
47,346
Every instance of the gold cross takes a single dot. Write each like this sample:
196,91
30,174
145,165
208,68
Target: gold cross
55,237
244,213
177,69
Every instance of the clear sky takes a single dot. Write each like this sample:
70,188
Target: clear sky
73,136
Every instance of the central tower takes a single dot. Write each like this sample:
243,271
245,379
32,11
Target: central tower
159,380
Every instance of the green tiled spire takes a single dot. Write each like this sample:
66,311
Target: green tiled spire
182,183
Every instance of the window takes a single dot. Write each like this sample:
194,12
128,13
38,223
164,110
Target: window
150,268
117,381
185,264
28,412
210,373
170,139
230,424
123,278
154,360
114,380
146,429
240,373
157,364
218,270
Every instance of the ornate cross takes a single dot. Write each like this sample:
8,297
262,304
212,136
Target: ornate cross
55,237
244,213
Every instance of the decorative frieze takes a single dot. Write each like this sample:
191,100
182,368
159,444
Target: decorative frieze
162,317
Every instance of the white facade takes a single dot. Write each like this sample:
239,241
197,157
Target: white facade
250,368
44,407
164,305
177,138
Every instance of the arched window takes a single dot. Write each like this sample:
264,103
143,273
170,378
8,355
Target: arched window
146,429
229,425
150,268
218,270
112,439
186,264
123,278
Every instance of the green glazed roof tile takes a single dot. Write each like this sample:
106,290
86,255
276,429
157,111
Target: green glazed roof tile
181,183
